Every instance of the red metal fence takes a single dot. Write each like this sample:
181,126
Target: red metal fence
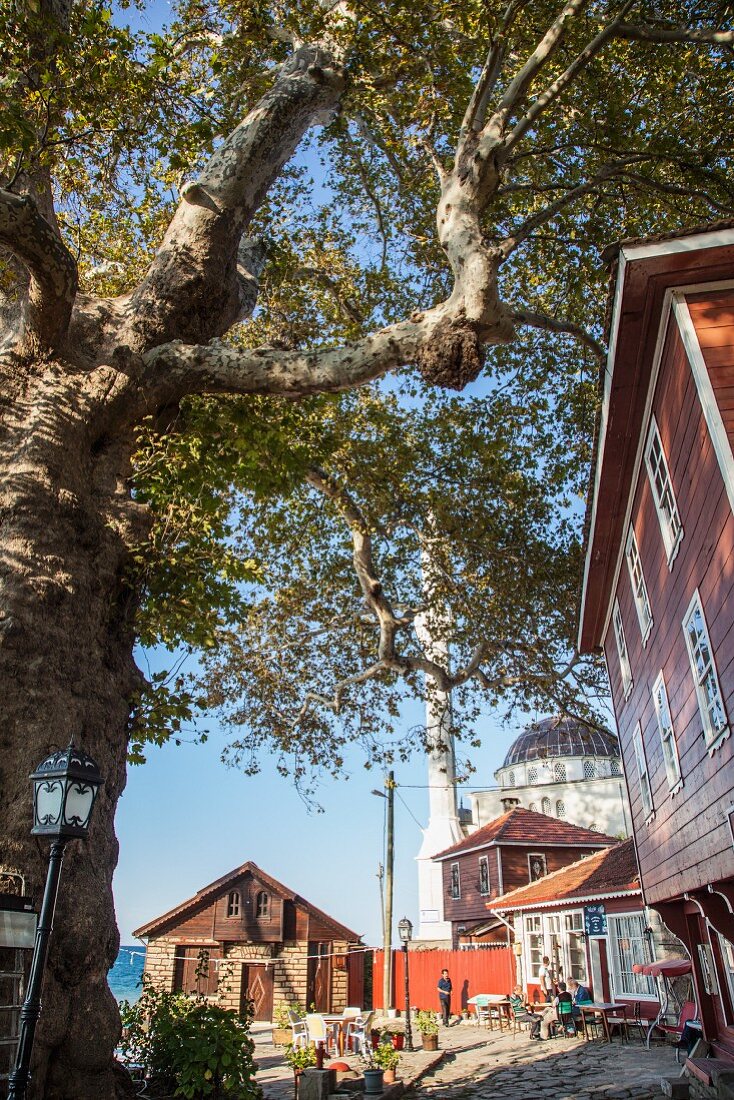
488,970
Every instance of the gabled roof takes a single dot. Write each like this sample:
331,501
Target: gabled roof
210,893
607,873
521,826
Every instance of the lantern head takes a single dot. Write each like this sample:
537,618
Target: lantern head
65,788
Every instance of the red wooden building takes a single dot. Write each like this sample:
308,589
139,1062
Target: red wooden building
514,849
247,936
658,589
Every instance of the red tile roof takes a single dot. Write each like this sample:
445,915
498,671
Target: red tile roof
521,826
602,874
209,893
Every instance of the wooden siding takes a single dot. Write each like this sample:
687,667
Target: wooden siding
688,843
472,906
247,927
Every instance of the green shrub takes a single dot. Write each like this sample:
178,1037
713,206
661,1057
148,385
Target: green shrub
189,1047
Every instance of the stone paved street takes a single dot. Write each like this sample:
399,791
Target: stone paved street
487,1065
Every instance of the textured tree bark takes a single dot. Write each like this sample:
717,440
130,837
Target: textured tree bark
66,635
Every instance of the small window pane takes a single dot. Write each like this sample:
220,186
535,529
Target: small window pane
546,806
639,588
559,773
624,661
560,808
710,703
589,769
667,736
645,791
662,491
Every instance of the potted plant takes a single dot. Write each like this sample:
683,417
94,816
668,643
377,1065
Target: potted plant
282,1031
425,1023
299,1058
373,1073
387,1058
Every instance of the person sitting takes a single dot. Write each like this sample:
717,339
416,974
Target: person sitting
517,1004
579,995
550,1015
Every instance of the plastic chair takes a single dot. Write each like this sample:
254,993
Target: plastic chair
319,1031
566,1018
359,1031
299,1031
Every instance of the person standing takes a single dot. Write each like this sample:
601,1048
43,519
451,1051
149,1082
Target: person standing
547,980
444,996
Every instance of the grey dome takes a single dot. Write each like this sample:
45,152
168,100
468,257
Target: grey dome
553,737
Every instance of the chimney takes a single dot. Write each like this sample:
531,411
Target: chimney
510,803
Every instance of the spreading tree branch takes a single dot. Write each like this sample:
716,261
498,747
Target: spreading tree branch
698,35
557,324
51,267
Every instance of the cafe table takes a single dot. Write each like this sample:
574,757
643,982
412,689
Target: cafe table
337,1021
590,1009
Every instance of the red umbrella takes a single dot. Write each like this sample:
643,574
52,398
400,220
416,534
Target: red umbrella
668,968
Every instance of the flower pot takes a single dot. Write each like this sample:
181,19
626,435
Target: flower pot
282,1036
430,1042
388,1076
398,1041
373,1079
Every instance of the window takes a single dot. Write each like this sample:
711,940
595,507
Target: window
662,491
546,806
233,904
645,791
534,807
589,769
511,779
560,808
262,905
708,691
665,725
536,946
574,928
594,828
196,970
483,876
624,659
639,588
536,866
628,945
455,884
615,767
532,775
727,956
559,773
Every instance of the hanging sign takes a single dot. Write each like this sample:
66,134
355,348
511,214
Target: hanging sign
595,920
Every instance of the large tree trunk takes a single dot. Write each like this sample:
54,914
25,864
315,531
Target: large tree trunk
67,673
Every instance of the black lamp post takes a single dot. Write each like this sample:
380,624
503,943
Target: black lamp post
65,788
405,929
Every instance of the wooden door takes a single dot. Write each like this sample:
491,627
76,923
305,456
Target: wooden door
257,986
319,976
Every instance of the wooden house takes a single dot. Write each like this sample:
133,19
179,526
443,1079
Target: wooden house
590,920
658,589
248,937
518,847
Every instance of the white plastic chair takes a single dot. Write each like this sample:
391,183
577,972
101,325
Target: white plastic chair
299,1031
319,1031
359,1031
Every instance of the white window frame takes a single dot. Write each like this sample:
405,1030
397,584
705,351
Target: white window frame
622,652
625,983
648,808
639,588
705,678
484,862
560,809
667,735
551,934
662,493
455,882
544,861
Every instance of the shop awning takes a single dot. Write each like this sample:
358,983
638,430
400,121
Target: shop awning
668,968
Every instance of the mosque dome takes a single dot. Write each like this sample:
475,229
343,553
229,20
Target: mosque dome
560,737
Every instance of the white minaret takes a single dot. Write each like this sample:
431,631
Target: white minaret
444,828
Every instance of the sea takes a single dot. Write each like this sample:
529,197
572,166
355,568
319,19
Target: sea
125,976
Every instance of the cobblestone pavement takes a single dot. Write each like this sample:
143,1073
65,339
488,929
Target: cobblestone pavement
491,1065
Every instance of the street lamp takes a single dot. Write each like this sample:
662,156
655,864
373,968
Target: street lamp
405,930
65,789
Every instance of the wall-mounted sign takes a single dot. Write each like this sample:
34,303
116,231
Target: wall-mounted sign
595,920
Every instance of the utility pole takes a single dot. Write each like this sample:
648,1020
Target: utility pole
389,866
380,879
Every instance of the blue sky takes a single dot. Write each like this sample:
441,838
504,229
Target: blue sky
185,819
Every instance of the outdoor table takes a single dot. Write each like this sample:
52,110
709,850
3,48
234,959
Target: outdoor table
338,1021
504,1009
594,1008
